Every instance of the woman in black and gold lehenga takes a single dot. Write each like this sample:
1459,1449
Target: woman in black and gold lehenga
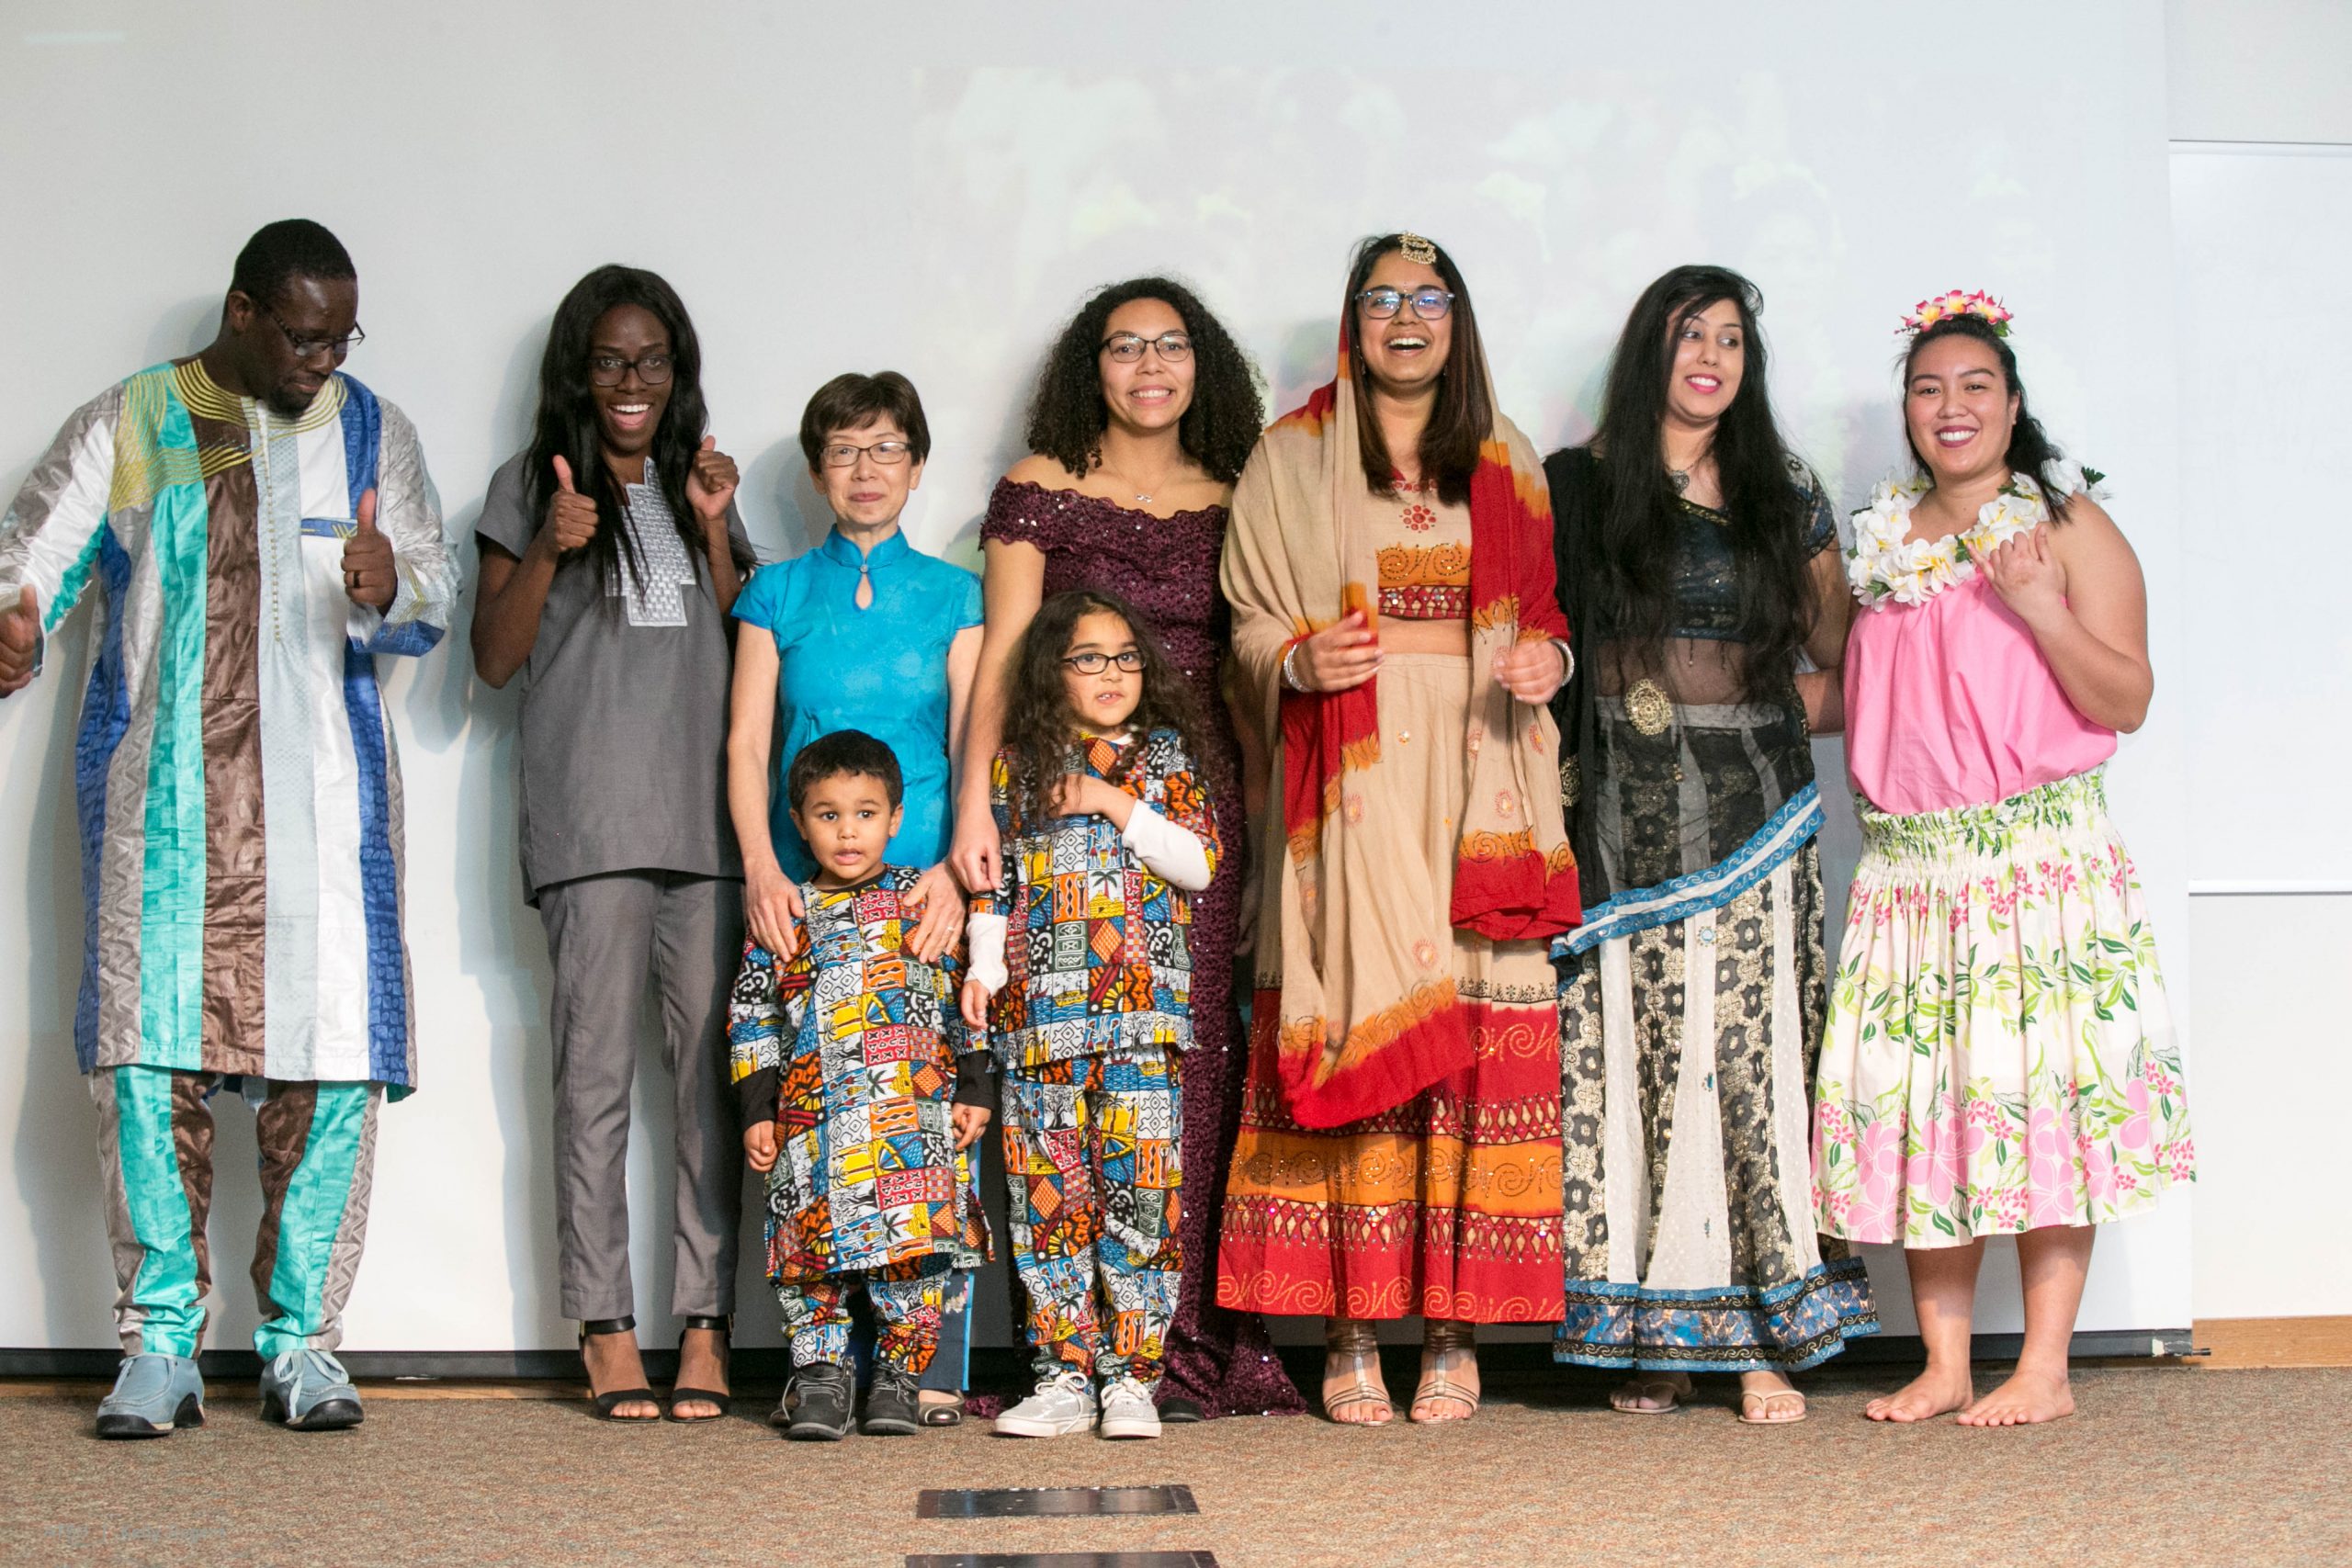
1696,560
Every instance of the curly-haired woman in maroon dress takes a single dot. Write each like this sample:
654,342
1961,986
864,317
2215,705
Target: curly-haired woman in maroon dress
1142,419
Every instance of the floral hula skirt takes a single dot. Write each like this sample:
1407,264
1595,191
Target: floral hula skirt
1999,1054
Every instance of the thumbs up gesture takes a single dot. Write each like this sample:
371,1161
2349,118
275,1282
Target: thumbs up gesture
712,484
368,560
19,640
572,516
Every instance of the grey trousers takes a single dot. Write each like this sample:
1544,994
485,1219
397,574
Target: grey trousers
610,938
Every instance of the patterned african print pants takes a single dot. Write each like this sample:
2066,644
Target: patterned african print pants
1090,1156
907,1299
318,1158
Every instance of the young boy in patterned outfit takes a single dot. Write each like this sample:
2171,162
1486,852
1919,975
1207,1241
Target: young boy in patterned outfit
1083,954
845,1057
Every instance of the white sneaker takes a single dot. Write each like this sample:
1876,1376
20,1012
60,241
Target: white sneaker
1063,1404
1128,1410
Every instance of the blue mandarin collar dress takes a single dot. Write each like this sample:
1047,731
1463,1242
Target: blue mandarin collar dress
882,669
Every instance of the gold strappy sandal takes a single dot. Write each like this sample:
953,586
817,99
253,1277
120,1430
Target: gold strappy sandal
1448,1347
1357,1344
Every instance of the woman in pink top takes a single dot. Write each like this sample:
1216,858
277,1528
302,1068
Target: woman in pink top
1999,1057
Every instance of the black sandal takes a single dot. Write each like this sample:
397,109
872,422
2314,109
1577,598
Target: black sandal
605,1403
726,1402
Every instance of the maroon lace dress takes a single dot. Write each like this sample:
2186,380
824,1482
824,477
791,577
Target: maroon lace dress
1166,567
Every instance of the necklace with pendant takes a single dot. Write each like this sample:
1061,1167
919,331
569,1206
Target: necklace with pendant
1142,497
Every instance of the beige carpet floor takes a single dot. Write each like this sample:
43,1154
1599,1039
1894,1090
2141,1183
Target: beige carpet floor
2162,1466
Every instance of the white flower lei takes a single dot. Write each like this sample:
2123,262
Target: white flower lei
1886,564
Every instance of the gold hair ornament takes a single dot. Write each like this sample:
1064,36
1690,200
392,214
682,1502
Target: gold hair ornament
1415,249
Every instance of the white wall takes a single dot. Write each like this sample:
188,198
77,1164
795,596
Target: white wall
2258,70
2262,217
934,189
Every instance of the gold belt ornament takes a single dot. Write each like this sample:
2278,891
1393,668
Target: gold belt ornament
1647,707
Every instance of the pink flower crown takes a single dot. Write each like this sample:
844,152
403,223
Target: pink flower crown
1943,307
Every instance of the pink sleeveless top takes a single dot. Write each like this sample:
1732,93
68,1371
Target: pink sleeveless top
1950,702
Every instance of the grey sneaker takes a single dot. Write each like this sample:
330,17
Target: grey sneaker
154,1396
1128,1410
816,1403
1063,1404
309,1391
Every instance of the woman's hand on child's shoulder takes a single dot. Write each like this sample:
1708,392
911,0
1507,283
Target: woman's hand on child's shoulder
938,904
759,1145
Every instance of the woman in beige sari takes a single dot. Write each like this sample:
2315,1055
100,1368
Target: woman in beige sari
1389,564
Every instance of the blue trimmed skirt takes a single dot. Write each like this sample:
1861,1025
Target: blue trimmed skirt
1686,1062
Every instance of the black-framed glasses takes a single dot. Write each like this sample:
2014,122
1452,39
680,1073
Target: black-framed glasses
611,369
306,346
1090,663
1429,304
844,454
1127,347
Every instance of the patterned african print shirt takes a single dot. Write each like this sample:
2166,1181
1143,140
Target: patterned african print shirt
851,1046
238,789
1097,943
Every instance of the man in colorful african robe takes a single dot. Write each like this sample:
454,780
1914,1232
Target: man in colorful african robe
852,1049
259,527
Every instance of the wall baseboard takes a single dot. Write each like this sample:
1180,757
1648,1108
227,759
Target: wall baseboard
1520,1362
2235,1342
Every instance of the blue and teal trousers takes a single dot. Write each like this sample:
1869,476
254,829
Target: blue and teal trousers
318,1157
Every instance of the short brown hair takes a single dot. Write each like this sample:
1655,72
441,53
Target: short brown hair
851,400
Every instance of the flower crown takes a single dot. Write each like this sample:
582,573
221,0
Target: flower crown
1944,306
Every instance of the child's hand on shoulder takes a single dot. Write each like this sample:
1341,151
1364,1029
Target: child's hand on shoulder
974,1004
970,1121
759,1145
1082,795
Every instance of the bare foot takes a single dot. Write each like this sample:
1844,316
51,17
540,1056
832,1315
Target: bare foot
1650,1393
612,1362
702,1363
1768,1399
2026,1398
1933,1393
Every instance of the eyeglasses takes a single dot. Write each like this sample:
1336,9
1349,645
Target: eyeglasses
1429,304
842,454
1127,658
308,347
1126,347
611,370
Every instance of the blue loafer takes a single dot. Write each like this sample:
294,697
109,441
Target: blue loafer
309,1391
154,1396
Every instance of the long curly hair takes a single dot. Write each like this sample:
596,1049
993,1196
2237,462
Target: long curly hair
2030,449
1767,493
1464,415
566,426
1068,416
1041,733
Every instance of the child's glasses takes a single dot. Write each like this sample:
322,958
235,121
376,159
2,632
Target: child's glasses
1129,659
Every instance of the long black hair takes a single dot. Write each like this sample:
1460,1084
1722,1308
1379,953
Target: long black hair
1040,729
1464,415
1068,416
566,423
2030,449
1767,495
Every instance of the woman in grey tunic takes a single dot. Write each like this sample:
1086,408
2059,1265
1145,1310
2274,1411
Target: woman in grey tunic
610,558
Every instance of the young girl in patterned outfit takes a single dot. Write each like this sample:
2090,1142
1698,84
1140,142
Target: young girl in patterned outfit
1081,973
